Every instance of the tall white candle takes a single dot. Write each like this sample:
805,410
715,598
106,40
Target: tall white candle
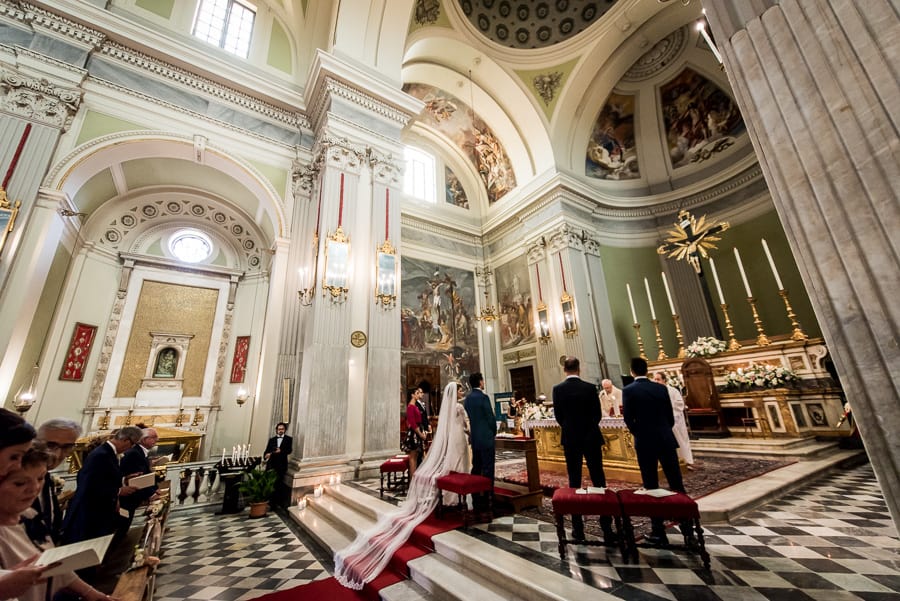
712,265
668,294
737,256
631,302
649,299
772,265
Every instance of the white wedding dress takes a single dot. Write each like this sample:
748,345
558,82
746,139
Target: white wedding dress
367,556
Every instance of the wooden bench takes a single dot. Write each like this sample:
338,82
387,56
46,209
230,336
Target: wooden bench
395,474
463,485
678,507
567,502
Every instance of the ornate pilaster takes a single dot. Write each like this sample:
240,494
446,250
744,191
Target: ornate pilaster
37,98
840,217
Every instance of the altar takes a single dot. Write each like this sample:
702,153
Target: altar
184,446
619,457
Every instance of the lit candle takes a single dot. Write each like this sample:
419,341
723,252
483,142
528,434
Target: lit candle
737,256
223,453
668,294
649,299
712,265
631,302
772,265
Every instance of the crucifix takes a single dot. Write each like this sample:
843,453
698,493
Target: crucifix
690,239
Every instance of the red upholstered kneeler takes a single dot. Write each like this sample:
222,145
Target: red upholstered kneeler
462,485
396,469
678,507
567,502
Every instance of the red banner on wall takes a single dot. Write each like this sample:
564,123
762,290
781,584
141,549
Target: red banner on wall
79,351
239,363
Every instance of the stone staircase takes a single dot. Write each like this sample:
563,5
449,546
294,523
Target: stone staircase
798,449
462,567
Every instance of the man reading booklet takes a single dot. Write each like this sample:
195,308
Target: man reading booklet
76,556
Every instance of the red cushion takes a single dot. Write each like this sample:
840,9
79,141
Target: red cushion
678,506
566,501
394,465
464,484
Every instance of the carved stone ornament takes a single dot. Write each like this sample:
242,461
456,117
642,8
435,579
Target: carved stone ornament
427,12
302,177
565,236
38,99
546,85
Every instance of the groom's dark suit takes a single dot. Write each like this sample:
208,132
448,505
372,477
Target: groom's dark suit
576,406
483,427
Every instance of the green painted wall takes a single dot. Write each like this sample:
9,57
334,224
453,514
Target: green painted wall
96,191
277,177
441,21
746,238
632,265
97,124
280,56
163,8
563,71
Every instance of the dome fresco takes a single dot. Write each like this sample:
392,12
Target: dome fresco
528,24
699,118
611,150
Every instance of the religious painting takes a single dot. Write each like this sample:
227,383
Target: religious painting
239,362
437,313
516,325
611,150
454,118
79,352
700,119
454,192
166,363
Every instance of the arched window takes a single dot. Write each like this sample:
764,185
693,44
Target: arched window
420,175
190,246
227,24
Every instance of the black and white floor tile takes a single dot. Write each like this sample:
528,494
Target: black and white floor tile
232,558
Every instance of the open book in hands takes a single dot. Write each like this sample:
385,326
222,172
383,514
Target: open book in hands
142,481
73,557
590,490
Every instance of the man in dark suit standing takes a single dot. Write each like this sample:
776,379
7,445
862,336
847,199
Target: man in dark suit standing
576,407
58,437
648,415
483,428
136,462
278,449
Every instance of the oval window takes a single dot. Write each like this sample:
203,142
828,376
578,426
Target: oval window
190,246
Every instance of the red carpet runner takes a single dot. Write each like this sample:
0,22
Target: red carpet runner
419,544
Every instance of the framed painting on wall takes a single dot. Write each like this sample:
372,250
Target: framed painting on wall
239,362
79,351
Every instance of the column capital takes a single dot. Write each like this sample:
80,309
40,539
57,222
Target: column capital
43,95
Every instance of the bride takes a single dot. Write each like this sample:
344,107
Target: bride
367,556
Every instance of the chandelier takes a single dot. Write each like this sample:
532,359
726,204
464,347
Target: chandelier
488,313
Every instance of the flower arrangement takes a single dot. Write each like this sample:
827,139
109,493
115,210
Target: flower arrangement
705,346
674,379
538,411
760,376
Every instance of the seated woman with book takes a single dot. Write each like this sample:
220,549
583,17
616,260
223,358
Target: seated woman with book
17,492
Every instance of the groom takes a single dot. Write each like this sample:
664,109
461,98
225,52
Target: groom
483,427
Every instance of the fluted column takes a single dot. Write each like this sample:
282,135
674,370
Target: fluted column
816,83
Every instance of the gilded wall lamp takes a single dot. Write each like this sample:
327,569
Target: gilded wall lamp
9,210
26,397
337,258
567,303
488,313
386,263
543,314
308,276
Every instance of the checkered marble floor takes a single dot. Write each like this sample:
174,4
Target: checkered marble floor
231,558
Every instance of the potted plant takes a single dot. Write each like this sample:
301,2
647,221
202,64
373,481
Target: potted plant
258,486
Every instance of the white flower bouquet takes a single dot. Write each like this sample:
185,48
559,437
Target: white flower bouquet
760,376
674,379
705,346
537,411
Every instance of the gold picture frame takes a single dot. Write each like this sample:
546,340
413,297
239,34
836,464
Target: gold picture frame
386,274
570,325
8,213
336,279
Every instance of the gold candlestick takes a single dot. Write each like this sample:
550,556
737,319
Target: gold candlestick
180,419
640,341
128,417
761,338
797,333
103,422
662,352
196,420
681,351
733,344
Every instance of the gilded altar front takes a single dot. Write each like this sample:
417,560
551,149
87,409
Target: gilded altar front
184,446
619,457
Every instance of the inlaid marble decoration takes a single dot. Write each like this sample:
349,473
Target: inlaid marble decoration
454,192
516,324
700,119
437,319
454,118
611,150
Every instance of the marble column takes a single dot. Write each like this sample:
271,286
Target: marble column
816,83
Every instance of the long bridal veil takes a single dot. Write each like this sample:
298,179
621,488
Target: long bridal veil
367,556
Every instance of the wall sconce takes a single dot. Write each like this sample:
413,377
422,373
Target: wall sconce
308,289
568,311
337,265
242,396
26,398
386,275
543,324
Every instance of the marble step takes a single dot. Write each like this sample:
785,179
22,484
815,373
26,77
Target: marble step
447,581
359,501
320,527
405,591
798,448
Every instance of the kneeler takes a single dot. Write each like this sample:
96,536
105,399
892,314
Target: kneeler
462,485
567,502
678,507
396,470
